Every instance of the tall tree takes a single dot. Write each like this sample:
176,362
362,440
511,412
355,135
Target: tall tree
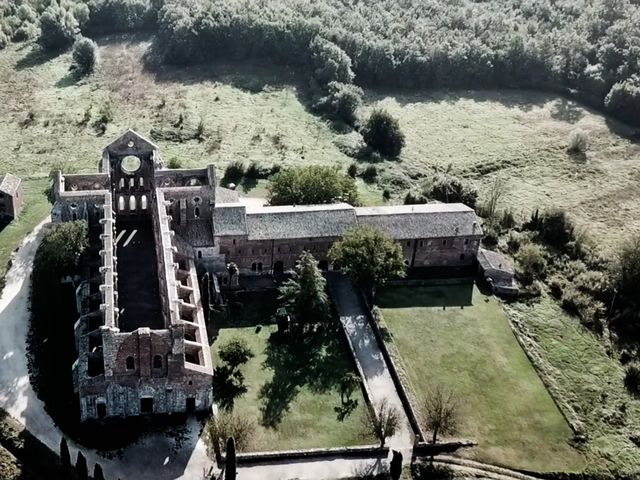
369,257
441,412
82,472
65,456
97,472
304,295
230,465
382,133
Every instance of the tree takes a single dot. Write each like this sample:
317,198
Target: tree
382,133
81,467
623,100
497,190
61,248
395,468
85,55
65,456
311,185
304,295
626,276
232,269
235,352
450,189
97,472
382,422
341,102
369,256
348,383
230,462
532,262
441,412
330,62
58,28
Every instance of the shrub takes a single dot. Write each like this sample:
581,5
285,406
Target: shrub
253,171
341,102
414,198
623,100
532,262
491,236
429,471
578,141
370,173
386,194
105,116
449,189
58,28
233,173
626,276
174,162
632,378
330,62
382,133
228,424
556,229
85,55
4,40
352,171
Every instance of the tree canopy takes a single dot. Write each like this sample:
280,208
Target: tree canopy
85,55
304,295
382,132
369,257
61,249
309,185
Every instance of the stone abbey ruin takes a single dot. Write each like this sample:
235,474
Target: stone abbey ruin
141,334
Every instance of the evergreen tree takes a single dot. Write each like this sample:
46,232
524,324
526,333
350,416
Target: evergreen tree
82,472
230,465
65,457
85,55
304,295
97,472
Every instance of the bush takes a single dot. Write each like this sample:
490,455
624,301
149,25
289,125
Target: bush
449,189
174,162
228,424
386,194
233,173
623,100
4,40
382,133
626,277
578,141
27,31
341,102
58,28
555,228
85,55
330,62
632,378
427,471
352,171
370,173
105,116
491,236
414,198
532,262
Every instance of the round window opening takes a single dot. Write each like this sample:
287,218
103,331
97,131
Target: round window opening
130,164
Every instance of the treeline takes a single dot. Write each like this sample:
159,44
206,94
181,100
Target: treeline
589,48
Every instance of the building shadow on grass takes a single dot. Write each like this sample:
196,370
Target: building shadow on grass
454,295
314,359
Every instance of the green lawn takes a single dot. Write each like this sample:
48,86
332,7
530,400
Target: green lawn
590,381
36,208
456,336
293,389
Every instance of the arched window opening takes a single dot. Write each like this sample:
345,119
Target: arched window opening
260,267
132,182
199,253
130,363
132,203
121,184
74,216
254,267
120,203
141,182
143,202
157,361
196,212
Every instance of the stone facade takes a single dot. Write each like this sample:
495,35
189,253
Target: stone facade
141,333
11,196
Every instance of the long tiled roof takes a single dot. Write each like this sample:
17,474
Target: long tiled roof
229,220
433,220
9,184
289,222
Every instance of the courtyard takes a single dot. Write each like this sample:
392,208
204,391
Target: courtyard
293,396
459,337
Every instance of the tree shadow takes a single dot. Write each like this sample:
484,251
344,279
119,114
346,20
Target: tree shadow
35,57
313,359
346,409
567,111
71,79
227,386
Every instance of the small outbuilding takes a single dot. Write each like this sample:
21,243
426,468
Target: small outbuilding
10,196
498,272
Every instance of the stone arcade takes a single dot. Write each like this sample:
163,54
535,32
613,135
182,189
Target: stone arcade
141,335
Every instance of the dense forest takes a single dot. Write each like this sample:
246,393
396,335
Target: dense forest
587,48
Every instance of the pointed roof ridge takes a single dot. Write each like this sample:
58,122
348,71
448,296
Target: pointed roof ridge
132,132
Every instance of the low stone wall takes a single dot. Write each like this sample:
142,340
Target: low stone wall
366,451
424,449
393,371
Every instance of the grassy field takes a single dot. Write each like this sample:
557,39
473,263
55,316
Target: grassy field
590,381
458,337
36,208
293,390
259,112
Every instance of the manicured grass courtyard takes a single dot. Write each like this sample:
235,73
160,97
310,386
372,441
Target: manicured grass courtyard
293,394
456,336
